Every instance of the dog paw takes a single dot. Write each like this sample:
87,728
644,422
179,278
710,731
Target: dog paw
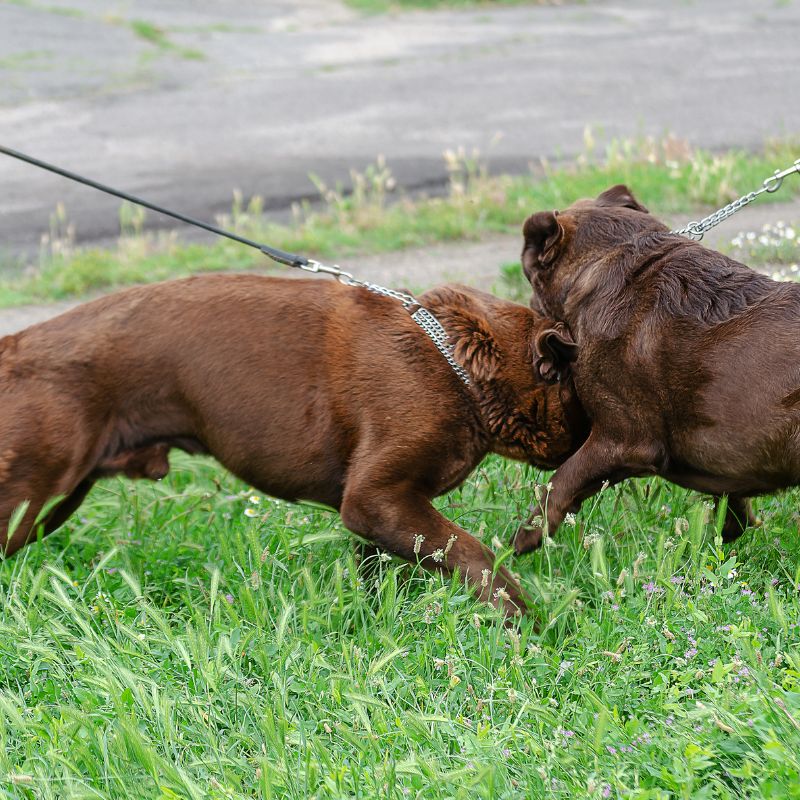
528,537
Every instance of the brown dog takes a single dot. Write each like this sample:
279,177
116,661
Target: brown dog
304,389
687,362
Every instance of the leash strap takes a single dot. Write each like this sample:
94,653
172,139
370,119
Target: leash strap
426,321
289,259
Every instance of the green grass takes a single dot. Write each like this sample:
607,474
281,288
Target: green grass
178,640
666,175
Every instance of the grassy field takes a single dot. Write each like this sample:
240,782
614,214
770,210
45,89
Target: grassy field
666,174
190,639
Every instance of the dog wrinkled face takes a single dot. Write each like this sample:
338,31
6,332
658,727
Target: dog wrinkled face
555,242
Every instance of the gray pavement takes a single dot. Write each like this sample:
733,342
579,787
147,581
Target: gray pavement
183,102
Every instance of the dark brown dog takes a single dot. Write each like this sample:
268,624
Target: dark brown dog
304,389
687,362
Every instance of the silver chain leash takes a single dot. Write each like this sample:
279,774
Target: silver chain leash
697,229
427,321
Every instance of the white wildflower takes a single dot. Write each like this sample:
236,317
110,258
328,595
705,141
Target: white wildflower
590,539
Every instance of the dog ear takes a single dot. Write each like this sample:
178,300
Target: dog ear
474,344
621,197
555,351
543,234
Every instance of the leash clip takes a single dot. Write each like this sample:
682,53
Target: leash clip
773,183
315,266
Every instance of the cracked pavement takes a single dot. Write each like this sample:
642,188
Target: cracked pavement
183,103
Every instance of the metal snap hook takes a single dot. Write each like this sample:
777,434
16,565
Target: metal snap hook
773,183
347,279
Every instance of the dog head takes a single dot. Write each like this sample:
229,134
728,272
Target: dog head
520,367
560,245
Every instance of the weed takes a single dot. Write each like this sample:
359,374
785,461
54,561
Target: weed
775,244
27,59
156,36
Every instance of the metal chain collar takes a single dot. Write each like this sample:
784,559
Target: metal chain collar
427,321
696,230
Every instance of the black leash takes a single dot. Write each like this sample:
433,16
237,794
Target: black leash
281,256
427,321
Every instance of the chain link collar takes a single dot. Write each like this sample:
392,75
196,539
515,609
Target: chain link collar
427,321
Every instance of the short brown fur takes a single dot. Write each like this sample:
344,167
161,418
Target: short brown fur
304,389
688,362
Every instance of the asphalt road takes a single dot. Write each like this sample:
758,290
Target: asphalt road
185,101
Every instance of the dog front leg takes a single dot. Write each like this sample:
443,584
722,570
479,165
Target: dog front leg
402,521
598,461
